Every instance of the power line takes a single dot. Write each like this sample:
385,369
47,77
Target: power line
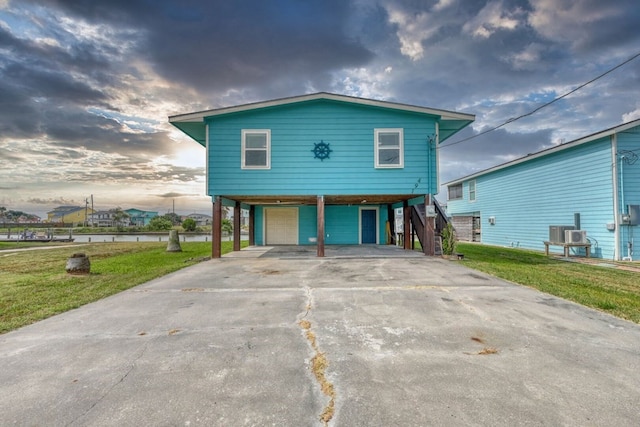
513,119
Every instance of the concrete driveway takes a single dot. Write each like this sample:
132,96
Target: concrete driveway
407,341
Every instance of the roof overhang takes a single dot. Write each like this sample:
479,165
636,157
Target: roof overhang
193,124
358,199
571,144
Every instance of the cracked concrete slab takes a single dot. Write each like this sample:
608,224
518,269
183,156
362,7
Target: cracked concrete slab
406,341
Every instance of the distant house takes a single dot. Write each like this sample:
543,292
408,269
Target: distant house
76,215
109,218
29,219
200,219
139,217
101,219
322,168
590,184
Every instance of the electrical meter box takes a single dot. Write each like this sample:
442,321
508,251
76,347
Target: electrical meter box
634,214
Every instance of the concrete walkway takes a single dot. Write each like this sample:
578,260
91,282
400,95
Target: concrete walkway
407,341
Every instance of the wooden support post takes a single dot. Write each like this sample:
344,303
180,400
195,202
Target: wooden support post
236,226
320,233
252,230
407,225
429,230
216,228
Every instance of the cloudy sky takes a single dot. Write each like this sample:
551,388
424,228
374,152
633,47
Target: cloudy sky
86,86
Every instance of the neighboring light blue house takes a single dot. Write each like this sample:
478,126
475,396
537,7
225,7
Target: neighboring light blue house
139,217
320,168
592,184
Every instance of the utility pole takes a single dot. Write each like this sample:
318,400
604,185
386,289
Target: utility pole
92,211
86,207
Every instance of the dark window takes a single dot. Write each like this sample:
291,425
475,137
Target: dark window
455,192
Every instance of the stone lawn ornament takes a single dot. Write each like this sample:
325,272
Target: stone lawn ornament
78,264
174,242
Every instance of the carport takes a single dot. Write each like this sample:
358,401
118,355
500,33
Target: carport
414,219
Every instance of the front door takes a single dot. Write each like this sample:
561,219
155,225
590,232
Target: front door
368,226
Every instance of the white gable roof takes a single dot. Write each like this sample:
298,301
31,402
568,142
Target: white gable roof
193,123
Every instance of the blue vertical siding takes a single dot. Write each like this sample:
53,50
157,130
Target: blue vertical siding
526,198
349,129
341,224
307,224
629,187
383,215
259,225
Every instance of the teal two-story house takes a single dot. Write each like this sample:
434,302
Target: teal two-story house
320,168
591,184
139,217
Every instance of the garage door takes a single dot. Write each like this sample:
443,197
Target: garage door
281,226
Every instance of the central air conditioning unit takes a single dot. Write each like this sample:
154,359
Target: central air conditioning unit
557,232
575,236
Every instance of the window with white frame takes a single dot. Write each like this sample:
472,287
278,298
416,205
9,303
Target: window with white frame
256,149
472,191
389,148
455,191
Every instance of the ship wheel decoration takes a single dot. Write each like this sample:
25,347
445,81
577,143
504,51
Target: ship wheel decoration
321,150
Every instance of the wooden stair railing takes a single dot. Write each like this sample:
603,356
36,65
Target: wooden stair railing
418,224
418,220
441,217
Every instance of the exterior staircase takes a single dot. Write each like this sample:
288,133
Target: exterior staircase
418,224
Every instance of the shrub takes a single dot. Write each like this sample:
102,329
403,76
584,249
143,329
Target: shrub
227,226
448,240
173,217
189,224
159,223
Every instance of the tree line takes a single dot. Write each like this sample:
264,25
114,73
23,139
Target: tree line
9,215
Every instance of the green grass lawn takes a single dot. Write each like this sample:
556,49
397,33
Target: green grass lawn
34,284
611,290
